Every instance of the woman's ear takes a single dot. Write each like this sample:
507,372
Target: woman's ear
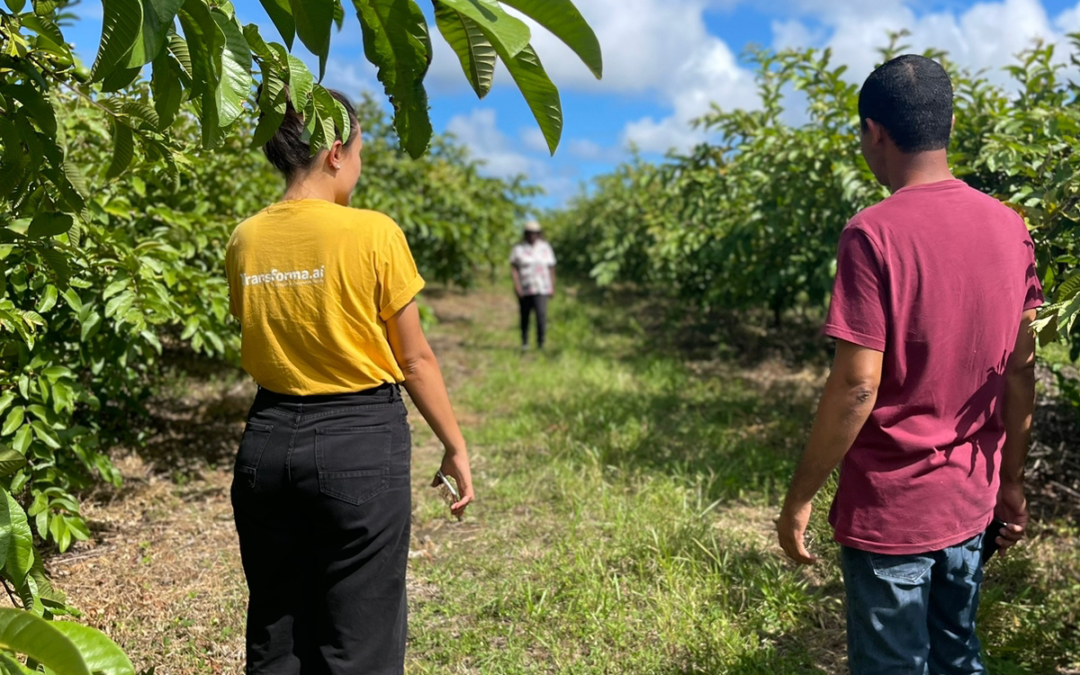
335,155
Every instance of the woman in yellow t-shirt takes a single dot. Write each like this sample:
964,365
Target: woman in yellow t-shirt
321,492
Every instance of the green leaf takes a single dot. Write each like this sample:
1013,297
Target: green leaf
508,34
16,6
235,68
120,30
539,92
330,113
206,44
273,102
22,439
158,18
6,527
314,19
301,82
123,149
101,654
24,633
49,225
14,421
565,22
474,50
48,299
5,403
281,14
73,299
58,262
45,434
54,373
119,79
20,553
10,462
401,49
167,88
90,325
34,104
119,304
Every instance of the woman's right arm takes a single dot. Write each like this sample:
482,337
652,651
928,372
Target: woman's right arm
424,382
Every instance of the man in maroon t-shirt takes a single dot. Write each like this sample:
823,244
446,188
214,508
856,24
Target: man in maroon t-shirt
928,406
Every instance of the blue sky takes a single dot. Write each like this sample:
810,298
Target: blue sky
665,61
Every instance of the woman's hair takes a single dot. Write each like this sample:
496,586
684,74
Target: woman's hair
288,151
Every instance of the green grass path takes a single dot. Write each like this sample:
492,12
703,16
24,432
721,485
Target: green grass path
624,522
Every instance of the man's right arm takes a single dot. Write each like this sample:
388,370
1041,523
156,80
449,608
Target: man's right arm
1019,406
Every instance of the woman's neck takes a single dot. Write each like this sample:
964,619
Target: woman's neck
309,188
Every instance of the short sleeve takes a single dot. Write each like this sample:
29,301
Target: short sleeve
399,280
857,311
515,259
551,256
233,279
1033,296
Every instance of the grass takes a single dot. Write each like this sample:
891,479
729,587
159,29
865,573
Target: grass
624,522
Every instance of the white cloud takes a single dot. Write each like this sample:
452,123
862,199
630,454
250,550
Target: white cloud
480,132
986,35
534,140
349,78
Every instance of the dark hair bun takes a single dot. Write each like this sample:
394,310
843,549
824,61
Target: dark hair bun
288,151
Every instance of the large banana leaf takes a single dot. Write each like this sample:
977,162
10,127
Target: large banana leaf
539,92
396,41
120,29
565,22
506,32
470,44
158,17
24,633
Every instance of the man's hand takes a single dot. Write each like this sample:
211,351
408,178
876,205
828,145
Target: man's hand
1012,510
791,529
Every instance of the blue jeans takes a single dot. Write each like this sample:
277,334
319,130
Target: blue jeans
914,614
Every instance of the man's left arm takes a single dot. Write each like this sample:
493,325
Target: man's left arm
849,398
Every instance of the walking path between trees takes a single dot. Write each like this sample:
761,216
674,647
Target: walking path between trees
623,523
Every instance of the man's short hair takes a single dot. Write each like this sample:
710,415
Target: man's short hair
911,97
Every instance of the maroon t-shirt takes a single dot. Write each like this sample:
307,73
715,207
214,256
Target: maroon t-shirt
936,277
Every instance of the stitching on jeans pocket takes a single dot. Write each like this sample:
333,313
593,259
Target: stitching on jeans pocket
252,445
353,463
907,568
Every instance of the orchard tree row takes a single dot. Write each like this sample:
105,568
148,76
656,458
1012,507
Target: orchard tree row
753,221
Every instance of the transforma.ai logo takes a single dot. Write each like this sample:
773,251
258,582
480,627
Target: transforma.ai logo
294,278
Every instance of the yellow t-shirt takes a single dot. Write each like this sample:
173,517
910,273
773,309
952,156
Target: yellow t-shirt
313,284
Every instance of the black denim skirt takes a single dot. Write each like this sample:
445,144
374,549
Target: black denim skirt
322,502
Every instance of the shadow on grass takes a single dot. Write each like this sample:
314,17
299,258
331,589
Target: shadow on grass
736,438
197,420
746,338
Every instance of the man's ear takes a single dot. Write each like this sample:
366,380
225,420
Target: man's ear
877,132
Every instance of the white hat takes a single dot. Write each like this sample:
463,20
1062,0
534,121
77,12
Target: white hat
532,226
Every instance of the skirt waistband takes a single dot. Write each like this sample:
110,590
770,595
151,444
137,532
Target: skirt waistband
384,393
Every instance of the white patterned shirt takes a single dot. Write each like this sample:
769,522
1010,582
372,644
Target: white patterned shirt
534,263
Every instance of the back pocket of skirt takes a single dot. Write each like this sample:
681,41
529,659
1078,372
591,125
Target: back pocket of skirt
353,463
256,436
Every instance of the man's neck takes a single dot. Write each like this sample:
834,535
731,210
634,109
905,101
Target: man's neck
920,168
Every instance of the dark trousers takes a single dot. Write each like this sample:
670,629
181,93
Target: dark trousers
322,502
529,304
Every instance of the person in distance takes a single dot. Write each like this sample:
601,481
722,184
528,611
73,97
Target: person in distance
532,267
928,407
325,295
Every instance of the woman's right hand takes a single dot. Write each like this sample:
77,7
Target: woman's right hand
455,464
